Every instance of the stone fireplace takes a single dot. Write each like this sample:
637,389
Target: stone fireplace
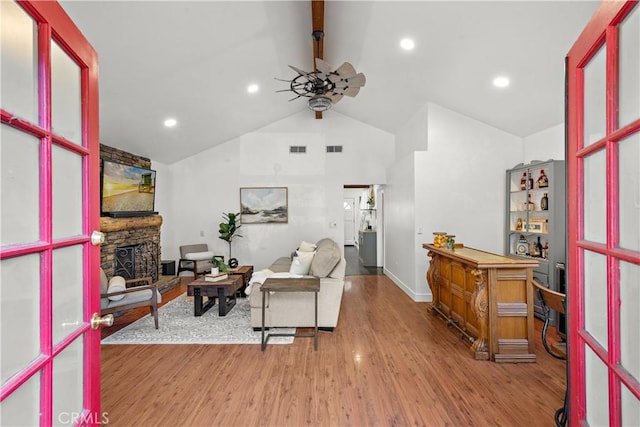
137,236
132,247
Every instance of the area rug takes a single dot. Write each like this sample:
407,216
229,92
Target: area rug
178,325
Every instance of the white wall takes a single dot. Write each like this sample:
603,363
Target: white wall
206,185
545,145
467,160
163,203
399,220
457,186
413,134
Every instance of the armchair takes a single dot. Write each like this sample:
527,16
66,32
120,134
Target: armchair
115,296
196,259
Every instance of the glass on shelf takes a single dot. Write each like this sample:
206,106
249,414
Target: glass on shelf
451,241
439,239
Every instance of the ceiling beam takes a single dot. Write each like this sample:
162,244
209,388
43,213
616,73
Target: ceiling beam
317,32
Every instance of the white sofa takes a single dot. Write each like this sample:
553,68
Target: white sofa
296,309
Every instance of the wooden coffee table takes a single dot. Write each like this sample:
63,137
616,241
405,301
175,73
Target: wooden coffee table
224,290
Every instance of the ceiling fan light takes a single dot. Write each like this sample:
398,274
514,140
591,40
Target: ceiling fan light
320,103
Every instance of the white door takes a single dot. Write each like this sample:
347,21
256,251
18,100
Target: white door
349,221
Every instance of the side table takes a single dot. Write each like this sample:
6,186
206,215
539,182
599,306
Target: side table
245,272
305,284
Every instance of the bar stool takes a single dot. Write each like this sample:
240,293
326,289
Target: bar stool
552,300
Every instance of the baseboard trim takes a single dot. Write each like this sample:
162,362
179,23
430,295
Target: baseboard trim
417,297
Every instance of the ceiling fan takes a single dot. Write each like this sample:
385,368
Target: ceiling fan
323,86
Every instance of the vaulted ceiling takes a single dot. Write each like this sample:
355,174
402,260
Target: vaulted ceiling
194,60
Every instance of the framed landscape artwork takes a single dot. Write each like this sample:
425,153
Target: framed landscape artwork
262,205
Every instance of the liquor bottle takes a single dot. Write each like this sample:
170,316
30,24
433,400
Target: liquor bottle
523,181
544,202
545,250
530,182
543,181
530,205
538,248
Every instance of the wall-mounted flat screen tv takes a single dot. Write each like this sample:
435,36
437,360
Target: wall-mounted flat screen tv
127,190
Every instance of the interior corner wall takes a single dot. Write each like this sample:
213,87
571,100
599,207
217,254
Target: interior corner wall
545,145
207,184
413,134
457,186
464,170
164,205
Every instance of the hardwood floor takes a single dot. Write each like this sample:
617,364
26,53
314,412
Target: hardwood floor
354,266
390,362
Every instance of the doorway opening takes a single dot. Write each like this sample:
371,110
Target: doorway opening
363,228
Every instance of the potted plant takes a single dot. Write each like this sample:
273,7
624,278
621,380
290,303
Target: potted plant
371,201
229,228
218,263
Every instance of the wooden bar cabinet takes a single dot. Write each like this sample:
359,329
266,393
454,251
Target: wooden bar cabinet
488,297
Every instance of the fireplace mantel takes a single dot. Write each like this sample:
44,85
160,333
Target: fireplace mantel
108,224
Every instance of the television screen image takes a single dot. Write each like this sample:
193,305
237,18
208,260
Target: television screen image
127,190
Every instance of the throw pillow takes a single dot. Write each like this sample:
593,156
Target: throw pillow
104,282
116,284
301,263
104,287
307,247
327,257
199,256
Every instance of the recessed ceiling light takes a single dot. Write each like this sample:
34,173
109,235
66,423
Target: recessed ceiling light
407,44
170,123
501,81
253,88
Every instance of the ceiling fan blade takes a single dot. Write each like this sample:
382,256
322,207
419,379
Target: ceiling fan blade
333,77
356,81
323,66
346,70
351,91
335,97
299,71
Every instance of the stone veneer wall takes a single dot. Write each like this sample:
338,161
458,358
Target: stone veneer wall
115,155
121,232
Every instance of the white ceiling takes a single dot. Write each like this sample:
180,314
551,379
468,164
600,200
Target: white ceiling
194,60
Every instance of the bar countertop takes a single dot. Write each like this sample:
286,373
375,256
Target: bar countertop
482,259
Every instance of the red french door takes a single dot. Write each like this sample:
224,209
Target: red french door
603,192
49,269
